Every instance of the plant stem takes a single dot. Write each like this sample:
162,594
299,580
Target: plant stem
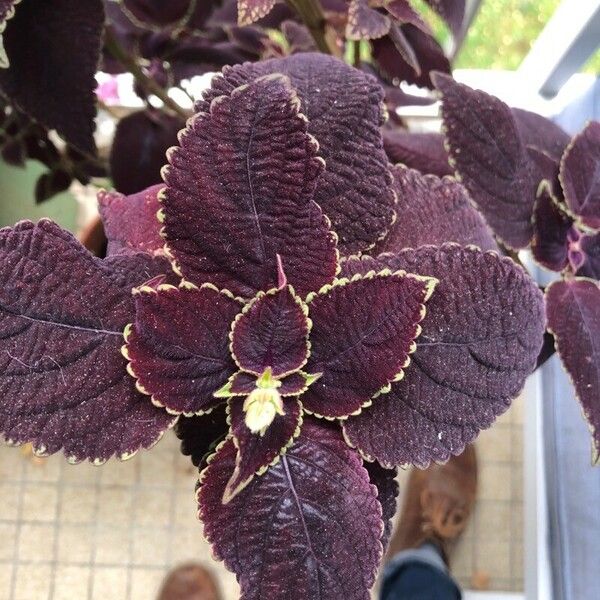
311,13
120,54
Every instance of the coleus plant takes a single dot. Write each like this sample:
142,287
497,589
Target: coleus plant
47,74
538,188
298,372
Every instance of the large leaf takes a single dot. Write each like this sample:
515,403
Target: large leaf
250,11
580,175
452,11
344,108
481,338
7,11
490,158
130,222
310,527
541,133
63,382
53,48
422,151
239,192
272,332
573,308
434,211
258,451
139,148
365,22
178,346
388,491
363,332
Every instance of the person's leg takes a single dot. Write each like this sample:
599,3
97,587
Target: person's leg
437,504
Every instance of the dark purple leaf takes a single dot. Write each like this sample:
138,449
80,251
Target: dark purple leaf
403,12
53,49
574,318
589,246
365,22
452,11
63,380
428,52
130,222
580,175
201,434
158,13
541,133
388,490
363,332
490,158
298,37
485,320
551,225
178,346
310,527
432,211
52,183
7,11
242,384
272,332
422,151
258,451
345,111
395,98
239,192
250,11
544,168
139,148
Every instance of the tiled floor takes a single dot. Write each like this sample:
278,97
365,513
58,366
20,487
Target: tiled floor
97,533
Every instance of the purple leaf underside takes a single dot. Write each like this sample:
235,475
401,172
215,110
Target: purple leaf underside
388,490
130,222
432,211
344,108
53,48
310,527
490,158
363,332
422,151
240,191
250,11
580,175
481,338
540,133
573,308
178,346
365,22
256,452
272,333
63,380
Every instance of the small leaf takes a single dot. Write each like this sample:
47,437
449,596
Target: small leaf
429,53
257,452
239,192
574,318
490,158
63,382
52,183
452,11
580,175
344,108
403,12
272,332
363,332
433,211
422,151
540,133
242,384
365,22
139,148
250,11
589,246
178,347
130,222
550,228
310,527
201,434
51,72
481,338
388,490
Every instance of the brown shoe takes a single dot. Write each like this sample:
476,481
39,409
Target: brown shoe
437,504
189,582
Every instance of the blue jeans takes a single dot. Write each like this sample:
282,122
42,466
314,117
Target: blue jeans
418,574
